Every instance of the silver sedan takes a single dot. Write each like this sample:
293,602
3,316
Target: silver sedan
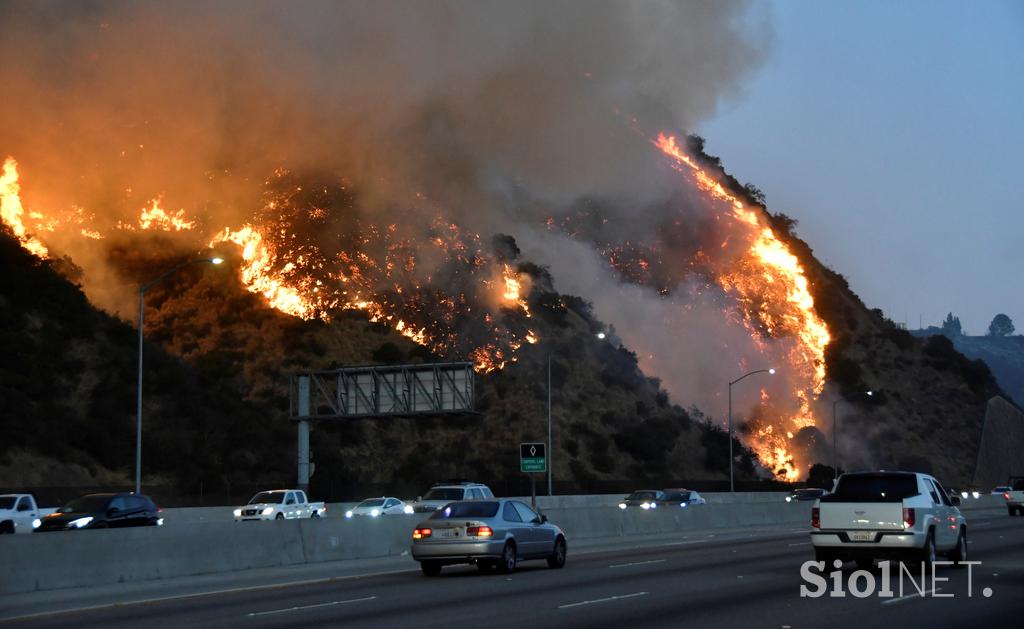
489,533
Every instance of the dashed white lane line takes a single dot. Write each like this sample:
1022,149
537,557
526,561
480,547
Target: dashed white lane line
907,597
636,563
603,600
304,607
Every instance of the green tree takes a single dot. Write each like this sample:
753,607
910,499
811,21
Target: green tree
951,326
1001,325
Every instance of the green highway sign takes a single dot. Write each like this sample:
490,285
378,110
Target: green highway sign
532,457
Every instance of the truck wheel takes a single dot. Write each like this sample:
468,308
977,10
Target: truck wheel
6,528
1011,511
430,568
959,553
315,515
280,516
928,552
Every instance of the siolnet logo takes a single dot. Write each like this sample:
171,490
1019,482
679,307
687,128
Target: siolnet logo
916,581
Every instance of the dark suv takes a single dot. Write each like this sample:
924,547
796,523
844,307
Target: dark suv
102,511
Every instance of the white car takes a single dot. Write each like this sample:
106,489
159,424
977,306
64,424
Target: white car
1014,496
879,515
376,507
279,504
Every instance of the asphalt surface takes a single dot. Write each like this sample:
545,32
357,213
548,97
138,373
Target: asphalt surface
741,580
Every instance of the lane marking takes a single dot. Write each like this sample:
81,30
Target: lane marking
603,600
800,544
303,607
636,563
907,597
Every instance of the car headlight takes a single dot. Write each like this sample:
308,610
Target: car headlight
976,494
622,505
80,522
654,505
408,510
963,494
268,510
348,514
682,504
645,505
36,523
374,513
159,521
789,498
238,513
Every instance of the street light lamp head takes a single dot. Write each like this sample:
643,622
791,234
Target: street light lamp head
217,260
771,371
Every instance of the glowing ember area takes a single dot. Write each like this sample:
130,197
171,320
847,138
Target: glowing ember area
772,291
11,211
155,217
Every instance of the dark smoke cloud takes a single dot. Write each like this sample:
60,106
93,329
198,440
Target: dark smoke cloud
470,103
496,113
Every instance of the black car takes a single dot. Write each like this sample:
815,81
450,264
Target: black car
801,495
643,498
102,511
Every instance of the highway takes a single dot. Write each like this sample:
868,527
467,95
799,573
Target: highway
749,579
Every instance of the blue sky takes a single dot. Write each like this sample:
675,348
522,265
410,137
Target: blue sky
894,133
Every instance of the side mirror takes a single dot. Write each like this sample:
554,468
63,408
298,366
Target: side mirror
543,518
955,500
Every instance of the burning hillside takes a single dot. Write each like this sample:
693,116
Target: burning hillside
309,252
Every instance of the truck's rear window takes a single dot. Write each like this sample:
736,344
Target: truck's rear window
475,509
875,487
1018,485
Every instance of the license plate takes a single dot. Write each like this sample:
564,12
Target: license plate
448,533
862,536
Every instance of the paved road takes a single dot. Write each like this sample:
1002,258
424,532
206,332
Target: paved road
741,581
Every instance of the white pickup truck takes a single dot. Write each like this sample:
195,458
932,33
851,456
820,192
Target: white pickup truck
19,513
879,515
1015,496
279,504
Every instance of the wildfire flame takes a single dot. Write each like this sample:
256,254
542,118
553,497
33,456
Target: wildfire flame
434,289
769,281
11,210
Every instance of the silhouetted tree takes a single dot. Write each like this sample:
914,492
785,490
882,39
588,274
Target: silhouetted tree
1001,325
951,326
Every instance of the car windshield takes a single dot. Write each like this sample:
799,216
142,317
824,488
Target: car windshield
86,504
373,502
642,495
475,509
1018,485
444,493
876,486
7,502
272,497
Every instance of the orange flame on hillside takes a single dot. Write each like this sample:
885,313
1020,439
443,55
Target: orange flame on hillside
770,283
11,210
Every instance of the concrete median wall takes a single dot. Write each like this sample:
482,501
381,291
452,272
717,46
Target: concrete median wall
50,561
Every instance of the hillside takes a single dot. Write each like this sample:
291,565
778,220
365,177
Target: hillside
217,363
1004,355
929,400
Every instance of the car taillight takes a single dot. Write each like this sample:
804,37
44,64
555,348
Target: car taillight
479,531
815,517
421,533
1006,495
909,517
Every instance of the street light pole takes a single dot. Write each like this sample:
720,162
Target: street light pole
551,451
732,485
138,398
835,440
